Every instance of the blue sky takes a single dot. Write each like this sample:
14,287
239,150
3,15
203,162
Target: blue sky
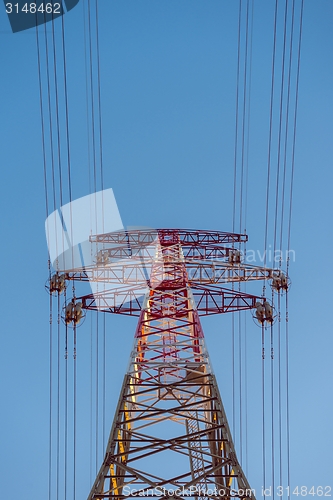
168,75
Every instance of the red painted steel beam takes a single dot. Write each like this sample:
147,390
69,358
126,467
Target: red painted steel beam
169,236
209,300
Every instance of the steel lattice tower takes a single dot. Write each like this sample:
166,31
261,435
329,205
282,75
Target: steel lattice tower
170,430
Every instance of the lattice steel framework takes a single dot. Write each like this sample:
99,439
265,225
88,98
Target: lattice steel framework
170,436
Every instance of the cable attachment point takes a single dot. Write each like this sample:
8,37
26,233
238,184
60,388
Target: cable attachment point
263,313
73,313
56,284
102,258
280,282
234,257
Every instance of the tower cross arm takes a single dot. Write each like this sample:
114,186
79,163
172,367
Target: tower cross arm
205,272
220,272
216,300
146,236
207,300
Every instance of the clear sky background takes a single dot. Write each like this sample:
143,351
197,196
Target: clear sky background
168,86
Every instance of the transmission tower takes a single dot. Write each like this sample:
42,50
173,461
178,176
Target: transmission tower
170,435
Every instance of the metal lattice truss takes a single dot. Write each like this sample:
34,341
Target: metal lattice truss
128,264
133,271
208,299
185,237
170,436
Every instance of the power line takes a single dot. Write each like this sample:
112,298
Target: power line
295,123
280,125
237,112
270,131
287,121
